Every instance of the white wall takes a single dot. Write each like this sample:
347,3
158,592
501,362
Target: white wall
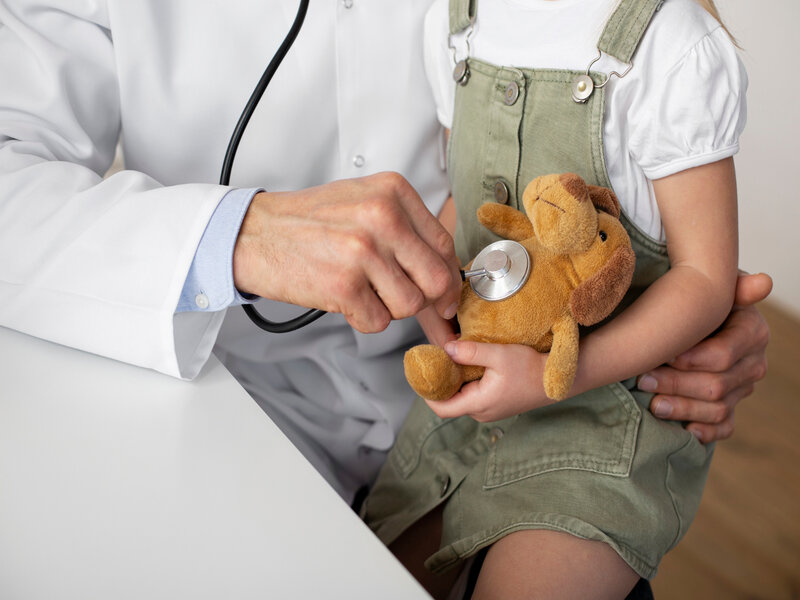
768,165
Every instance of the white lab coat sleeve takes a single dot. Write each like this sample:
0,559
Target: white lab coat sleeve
89,263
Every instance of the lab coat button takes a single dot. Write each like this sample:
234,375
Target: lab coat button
358,161
347,3
501,192
201,300
512,93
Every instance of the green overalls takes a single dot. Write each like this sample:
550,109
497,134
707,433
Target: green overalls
599,465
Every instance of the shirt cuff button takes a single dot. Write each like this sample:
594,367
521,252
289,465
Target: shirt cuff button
201,300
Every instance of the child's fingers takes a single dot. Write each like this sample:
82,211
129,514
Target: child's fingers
466,352
468,400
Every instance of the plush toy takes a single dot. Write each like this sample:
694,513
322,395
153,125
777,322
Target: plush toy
581,266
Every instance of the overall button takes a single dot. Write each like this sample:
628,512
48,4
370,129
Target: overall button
495,433
512,93
501,192
461,72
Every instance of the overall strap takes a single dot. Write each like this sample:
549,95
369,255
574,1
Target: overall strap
625,27
462,14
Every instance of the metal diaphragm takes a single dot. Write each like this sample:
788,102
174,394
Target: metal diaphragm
499,270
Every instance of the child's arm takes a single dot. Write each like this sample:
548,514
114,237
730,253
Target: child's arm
698,208
699,212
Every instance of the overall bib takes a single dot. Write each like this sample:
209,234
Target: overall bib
598,466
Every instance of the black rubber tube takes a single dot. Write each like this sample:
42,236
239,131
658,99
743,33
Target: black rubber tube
230,154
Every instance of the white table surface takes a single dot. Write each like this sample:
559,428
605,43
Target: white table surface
118,482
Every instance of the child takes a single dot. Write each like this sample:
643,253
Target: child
582,497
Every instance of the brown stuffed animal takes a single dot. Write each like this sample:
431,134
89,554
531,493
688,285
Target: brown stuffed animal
581,266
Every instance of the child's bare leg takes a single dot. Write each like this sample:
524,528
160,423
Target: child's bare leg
416,544
550,564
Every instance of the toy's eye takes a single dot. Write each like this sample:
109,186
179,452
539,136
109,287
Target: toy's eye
603,236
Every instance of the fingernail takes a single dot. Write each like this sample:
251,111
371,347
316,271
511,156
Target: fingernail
450,348
647,383
662,408
696,434
451,310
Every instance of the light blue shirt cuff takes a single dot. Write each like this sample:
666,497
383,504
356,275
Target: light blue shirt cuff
209,283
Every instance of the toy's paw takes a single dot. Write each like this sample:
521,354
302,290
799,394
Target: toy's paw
557,383
431,372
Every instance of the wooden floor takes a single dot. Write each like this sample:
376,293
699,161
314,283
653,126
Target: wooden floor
745,541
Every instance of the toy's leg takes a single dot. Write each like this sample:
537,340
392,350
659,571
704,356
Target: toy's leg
432,373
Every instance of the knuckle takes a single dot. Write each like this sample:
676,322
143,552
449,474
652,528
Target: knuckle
719,412
716,389
413,303
438,281
392,184
380,211
468,351
667,381
725,430
359,247
720,355
344,289
760,370
445,245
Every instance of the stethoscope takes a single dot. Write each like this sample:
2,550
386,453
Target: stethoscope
496,273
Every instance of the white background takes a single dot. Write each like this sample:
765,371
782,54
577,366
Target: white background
768,165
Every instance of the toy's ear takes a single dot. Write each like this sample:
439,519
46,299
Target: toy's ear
507,222
604,199
594,299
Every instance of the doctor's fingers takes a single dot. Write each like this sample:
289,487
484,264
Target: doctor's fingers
434,234
704,385
363,309
745,333
421,247
707,420
428,253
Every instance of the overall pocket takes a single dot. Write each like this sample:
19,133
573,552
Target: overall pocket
595,431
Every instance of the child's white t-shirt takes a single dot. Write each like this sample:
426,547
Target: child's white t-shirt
682,104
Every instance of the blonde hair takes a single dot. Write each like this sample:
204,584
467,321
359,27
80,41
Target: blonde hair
712,9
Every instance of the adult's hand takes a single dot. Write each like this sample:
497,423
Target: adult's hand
367,248
704,384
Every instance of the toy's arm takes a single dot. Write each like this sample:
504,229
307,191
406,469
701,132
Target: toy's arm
505,221
562,363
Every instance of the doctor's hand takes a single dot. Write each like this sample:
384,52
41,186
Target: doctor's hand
439,331
367,248
704,384
512,383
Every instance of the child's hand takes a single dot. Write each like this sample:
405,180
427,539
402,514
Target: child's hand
511,385
438,330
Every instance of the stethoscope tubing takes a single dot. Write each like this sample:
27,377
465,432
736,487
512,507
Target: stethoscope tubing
227,165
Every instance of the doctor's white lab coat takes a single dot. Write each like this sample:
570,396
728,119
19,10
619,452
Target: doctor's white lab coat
99,264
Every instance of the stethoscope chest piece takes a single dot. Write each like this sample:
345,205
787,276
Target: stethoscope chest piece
499,270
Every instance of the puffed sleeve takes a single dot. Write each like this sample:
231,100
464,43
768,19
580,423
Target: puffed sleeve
693,113
438,62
